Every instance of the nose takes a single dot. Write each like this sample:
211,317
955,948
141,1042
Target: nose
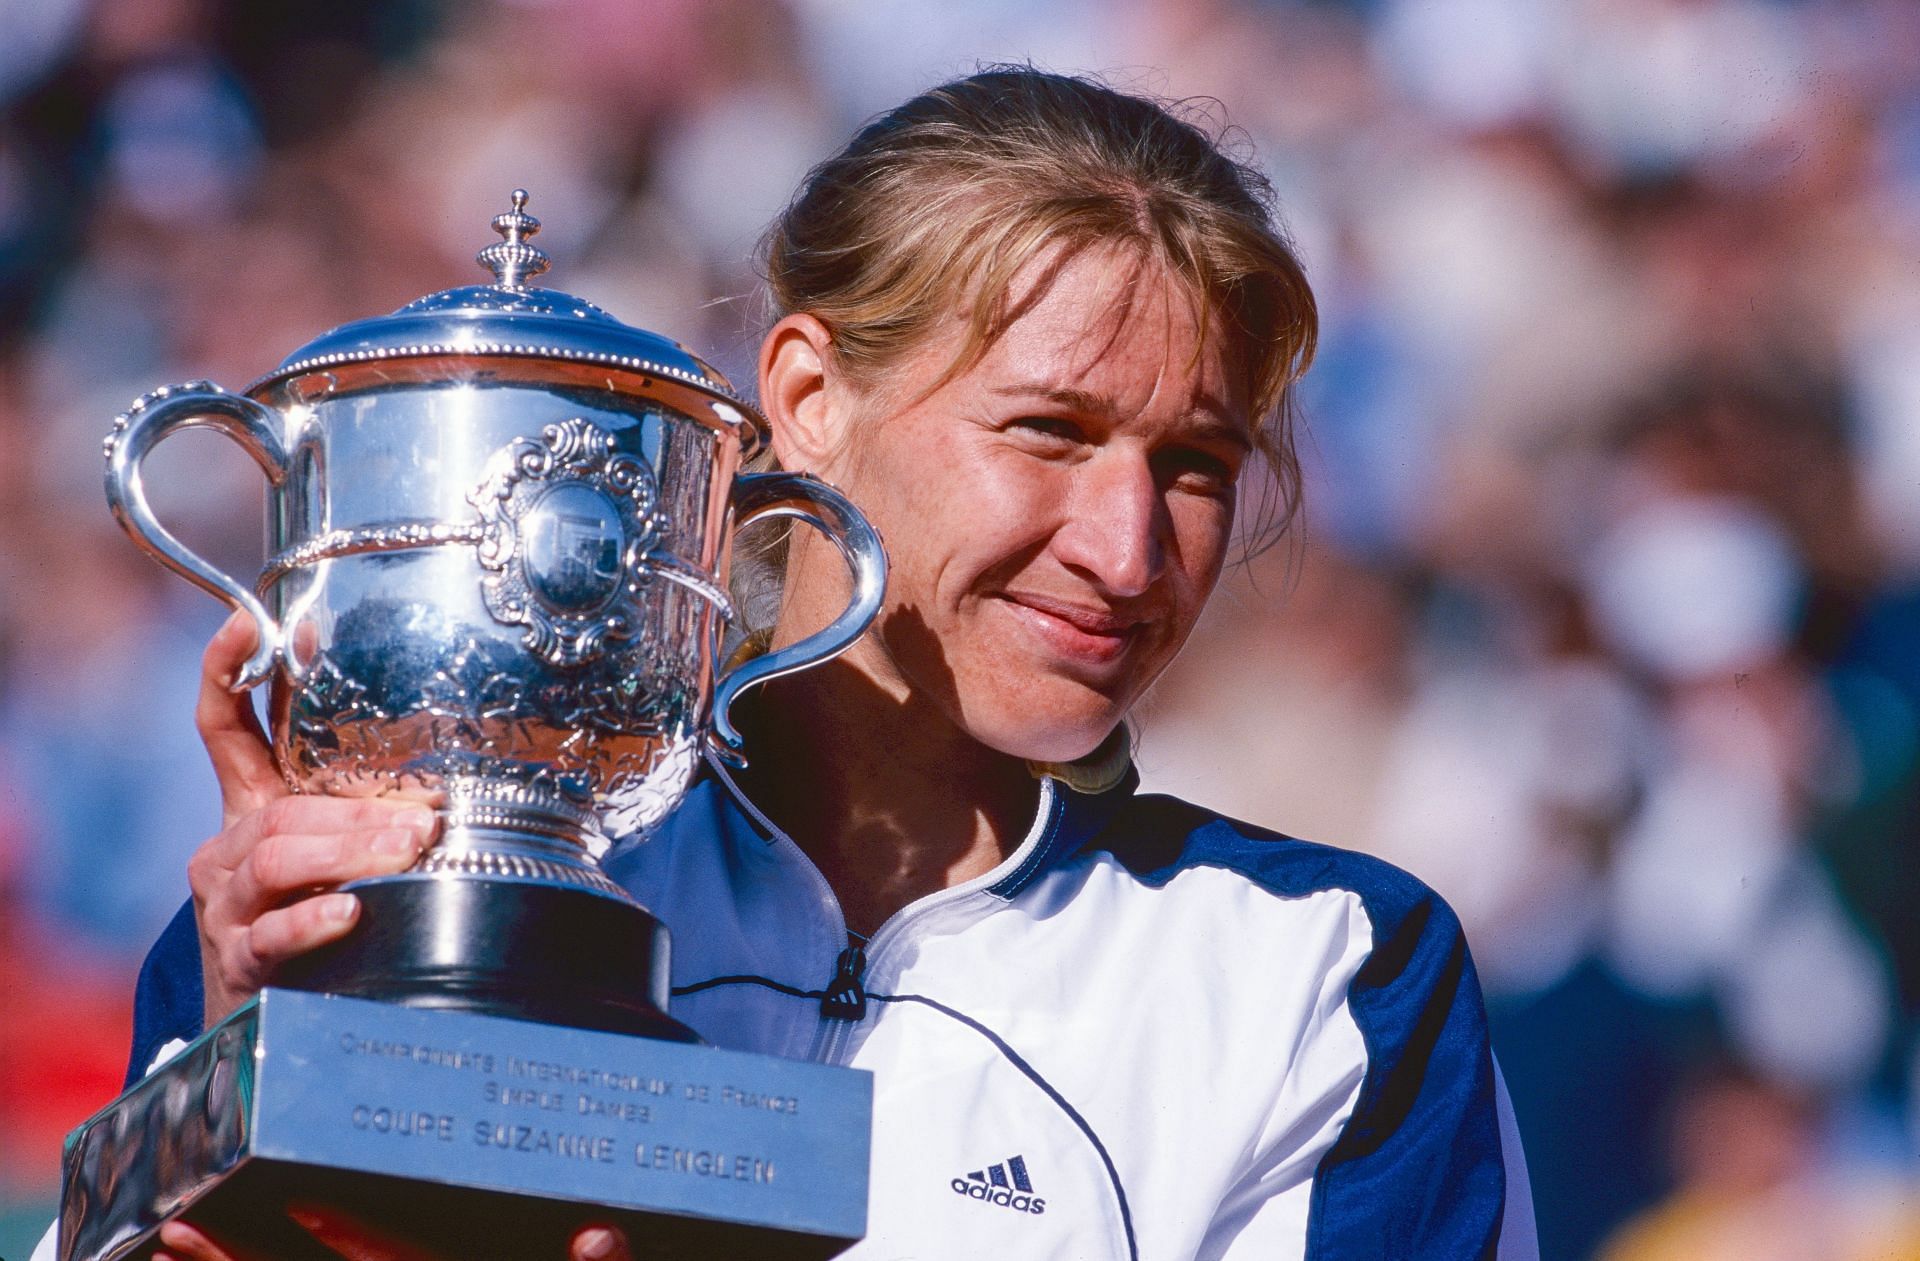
1116,524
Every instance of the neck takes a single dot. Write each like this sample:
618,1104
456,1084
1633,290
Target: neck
889,799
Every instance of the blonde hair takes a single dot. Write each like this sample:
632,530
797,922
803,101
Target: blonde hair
949,196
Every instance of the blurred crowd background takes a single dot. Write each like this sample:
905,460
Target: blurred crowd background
1603,615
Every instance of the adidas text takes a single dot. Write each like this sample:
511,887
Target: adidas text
1005,1197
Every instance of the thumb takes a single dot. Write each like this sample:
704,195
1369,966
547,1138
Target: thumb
352,1238
242,759
599,1243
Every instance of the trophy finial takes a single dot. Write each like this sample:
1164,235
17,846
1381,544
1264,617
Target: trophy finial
513,260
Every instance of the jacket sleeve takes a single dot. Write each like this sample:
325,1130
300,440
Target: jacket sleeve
168,1003
1427,1163
1419,1169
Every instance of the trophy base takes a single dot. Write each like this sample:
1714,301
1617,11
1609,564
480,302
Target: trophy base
553,954
455,1223
469,1136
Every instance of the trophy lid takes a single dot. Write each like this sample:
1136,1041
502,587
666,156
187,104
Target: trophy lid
508,319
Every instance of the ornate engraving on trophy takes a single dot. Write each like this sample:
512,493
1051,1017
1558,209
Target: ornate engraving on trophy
567,520
627,733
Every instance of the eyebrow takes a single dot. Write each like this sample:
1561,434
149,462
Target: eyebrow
1086,402
1065,395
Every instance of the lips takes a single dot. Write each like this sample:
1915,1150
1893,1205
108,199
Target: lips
1079,632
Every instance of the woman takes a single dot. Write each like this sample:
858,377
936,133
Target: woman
1036,329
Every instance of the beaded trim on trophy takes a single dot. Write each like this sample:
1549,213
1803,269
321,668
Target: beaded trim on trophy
520,806
518,350
398,537
514,259
497,865
409,535
147,400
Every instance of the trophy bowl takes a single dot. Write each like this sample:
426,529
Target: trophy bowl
498,539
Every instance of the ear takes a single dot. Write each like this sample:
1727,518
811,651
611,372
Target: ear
798,394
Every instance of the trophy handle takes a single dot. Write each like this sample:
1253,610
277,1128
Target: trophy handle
137,431
757,496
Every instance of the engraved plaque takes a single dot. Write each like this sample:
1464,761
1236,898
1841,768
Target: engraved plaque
437,1121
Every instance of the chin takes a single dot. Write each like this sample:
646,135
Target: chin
1046,736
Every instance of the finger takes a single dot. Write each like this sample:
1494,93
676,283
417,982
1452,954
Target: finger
293,930
315,816
351,1238
600,1243
242,759
288,864
187,1242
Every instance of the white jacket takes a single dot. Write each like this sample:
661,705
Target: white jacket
1150,1033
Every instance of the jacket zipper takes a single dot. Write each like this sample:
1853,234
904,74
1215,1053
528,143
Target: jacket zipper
844,1004
845,998
851,968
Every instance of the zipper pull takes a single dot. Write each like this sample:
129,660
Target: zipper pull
845,999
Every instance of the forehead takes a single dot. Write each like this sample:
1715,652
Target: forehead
1103,320
1104,311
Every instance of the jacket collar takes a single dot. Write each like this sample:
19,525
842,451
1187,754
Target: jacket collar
1086,795
1076,817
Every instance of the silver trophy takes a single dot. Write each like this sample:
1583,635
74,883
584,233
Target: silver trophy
498,541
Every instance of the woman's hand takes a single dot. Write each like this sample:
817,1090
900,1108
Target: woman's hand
357,1242
260,886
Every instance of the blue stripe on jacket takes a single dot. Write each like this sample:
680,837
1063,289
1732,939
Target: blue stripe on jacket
1418,1170
169,1002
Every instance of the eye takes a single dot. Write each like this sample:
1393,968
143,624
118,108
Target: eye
1198,471
1048,429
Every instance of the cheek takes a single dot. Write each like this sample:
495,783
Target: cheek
1202,531
956,511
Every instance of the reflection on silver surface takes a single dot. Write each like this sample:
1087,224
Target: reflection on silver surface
497,536
166,1142
498,526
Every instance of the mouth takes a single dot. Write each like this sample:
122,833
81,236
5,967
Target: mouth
1079,632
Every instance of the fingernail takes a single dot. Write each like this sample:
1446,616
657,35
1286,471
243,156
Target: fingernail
416,819
236,621
396,844
339,907
595,1243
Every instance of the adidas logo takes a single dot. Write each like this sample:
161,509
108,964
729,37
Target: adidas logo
1005,1184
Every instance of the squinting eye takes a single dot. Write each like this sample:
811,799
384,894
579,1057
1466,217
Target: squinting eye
1048,427
1200,471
